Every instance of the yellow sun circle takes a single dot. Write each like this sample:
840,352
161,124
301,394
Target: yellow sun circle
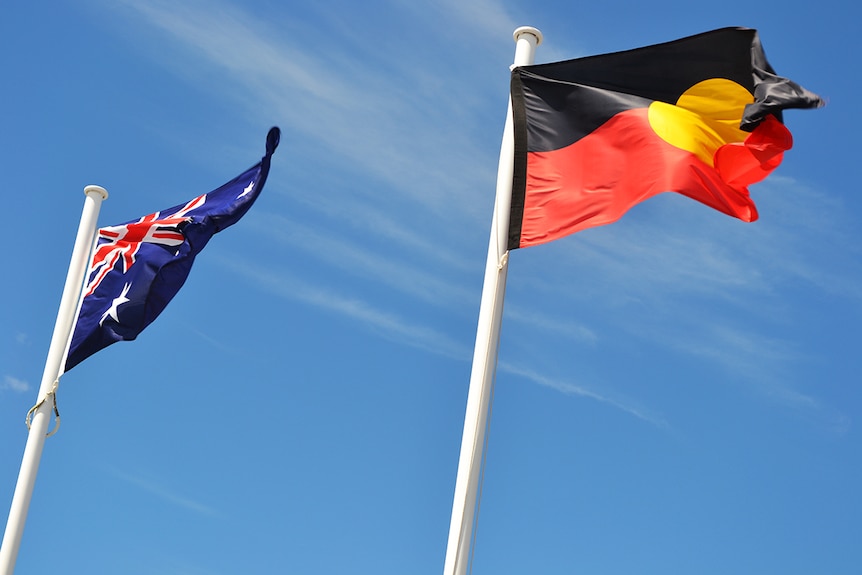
704,118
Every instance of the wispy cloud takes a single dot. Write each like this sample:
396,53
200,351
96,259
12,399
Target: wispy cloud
744,354
14,384
569,388
359,111
480,22
364,219
392,327
554,324
386,324
741,349
222,347
424,283
162,492
465,24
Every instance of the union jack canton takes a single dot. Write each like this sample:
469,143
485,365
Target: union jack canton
139,266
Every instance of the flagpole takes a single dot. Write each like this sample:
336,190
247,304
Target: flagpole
41,415
458,550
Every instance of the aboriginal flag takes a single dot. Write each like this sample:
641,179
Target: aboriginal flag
594,136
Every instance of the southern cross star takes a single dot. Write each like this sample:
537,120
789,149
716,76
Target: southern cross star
118,301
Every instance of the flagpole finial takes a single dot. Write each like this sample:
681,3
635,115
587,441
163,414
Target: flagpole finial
97,189
535,32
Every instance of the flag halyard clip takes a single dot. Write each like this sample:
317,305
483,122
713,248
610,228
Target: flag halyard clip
53,395
503,262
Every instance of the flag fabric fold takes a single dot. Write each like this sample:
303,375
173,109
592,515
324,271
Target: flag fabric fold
701,116
137,267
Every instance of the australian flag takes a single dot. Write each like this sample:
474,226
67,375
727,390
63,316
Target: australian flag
139,266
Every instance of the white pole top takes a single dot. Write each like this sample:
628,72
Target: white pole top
97,189
528,30
526,40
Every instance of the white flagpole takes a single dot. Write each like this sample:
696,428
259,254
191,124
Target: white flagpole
41,416
458,550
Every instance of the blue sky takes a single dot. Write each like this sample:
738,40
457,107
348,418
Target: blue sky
677,393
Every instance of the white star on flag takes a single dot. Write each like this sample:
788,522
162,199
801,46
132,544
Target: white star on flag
247,190
118,301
